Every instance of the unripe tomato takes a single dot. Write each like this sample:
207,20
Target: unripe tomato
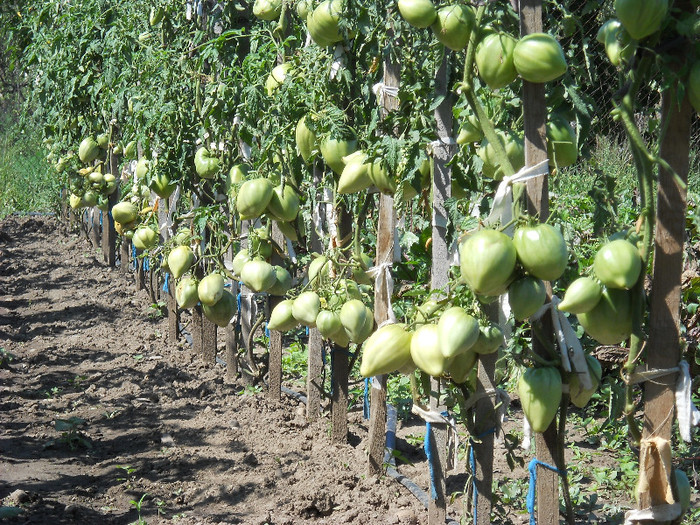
490,339
541,250
306,139
145,238
333,151
619,46
353,316
88,150
267,9
610,321
143,166
539,58
239,261
156,16
253,198
258,275
580,396
540,394
306,308
425,350
461,366
494,60
210,289
618,264
340,337
75,201
284,203
328,323
180,260
161,185
283,281
355,175
682,489
281,317
206,164
186,293
276,77
323,21
581,296
453,26
426,311
487,261
457,331
381,178
103,140
526,296
319,268
222,311
418,13
304,8
515,151
562,147
385,351
130,150
470,131
641,18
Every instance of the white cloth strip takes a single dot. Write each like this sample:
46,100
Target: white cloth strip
659,513
687,413
383,279
433,417
527,435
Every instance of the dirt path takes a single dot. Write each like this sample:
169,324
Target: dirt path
97,410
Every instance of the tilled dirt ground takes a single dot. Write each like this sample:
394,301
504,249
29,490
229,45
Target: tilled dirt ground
100,414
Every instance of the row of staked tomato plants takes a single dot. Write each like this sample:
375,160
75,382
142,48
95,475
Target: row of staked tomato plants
250,112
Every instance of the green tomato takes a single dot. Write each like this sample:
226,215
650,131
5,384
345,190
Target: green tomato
457,331
277,77
161,185
253,198
353,316
425,350
540,394
283,281
617,264
562,147
304,8
580,396
641,18
515,151
453,26
258,275
130,150
490,339
206,164
355,175
541,250
281,317
180,260
461,366
487,261
470,131
494,60
306,308
418,13
328,323
239,261
221,312
333,151
143,166
210,289
103,140
386,350
526,296
319,269
75,201
284,203
539,58
426,311
610,321
682,489
145,238
156,16
581,296
306,139
323,22
267,9
186,293
88,150
619,46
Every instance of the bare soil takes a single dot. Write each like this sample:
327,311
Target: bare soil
152,423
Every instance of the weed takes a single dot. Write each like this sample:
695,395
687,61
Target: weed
52,392
70,434
6,358
137,505
138,358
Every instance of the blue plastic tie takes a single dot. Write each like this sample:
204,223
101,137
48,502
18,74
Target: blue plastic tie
238,304
429,454
146,264
267,332
472,466
307,331
100,217
532,467
365,404
166,288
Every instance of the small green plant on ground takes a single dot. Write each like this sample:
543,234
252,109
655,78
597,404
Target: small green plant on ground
137,505
70,434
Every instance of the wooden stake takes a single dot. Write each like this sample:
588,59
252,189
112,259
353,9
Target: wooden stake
535,114
109,235
274,389
663,350
315,343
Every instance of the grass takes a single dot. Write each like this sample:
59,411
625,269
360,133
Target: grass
27,182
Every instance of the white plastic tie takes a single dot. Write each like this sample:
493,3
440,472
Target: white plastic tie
376,384
658,513
381,91
527,435
434,417
573,359
502,210
383,279
687,413
443,141
290,250
338,61
502,402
